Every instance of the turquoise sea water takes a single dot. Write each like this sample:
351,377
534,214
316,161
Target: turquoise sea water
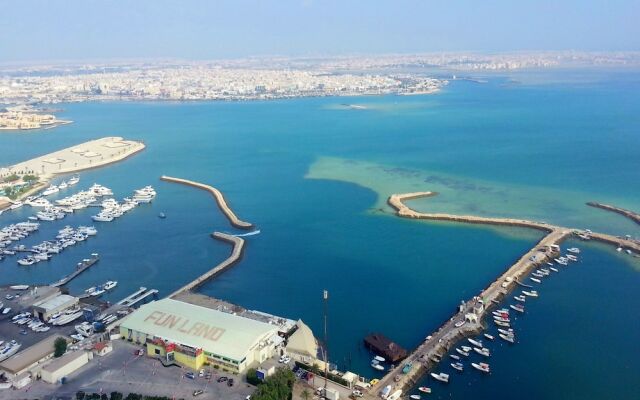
313,176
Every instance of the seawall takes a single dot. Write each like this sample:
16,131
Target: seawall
222,204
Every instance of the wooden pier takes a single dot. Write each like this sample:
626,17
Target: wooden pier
222,204
234,257
80,268
448,334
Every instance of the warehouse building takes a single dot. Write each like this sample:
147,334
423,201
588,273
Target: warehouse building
29,360
45,309
60,368
192,336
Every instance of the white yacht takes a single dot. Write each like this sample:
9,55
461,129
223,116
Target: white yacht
488,336
573,250
484,367
442,377
50,190
102,217
458,366
111,284
73,180
482,351
16,205
508,338
475,342
530,293
29,260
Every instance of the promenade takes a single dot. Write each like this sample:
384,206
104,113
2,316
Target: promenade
427,355
222,203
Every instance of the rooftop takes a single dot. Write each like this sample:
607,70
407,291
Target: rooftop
64,360
55,302
213,331
30,355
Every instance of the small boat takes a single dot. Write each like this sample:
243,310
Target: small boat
475,342
377,367
455,357
466,348
50,190
500,319
73,180
503,324
458,366
629,251
442,377
490,337
517,307
6,311
506,331
424,389
537,274
162,215
571,257
536,280
619,249
508,338
483,351
553,269
573,250
379,359
462,352
520,298
415,397
63,185
484,367
530,293
110,285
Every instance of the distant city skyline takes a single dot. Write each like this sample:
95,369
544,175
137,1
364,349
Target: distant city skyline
36,31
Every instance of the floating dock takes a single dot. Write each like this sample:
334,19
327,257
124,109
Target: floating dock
137,297
222,204
80,268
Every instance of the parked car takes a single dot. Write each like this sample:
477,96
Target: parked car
197,393
190,375
222,379
230,382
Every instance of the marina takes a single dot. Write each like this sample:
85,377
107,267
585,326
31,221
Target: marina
473,311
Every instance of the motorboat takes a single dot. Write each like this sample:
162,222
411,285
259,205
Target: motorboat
111,284
16,205
573,250
377,358
442,377
415,397
484,367
475,342
536,280
520,298
571,257
482,351
462,352
500,319
29,260
508,338
50,190
490,337
466,348
501,323
377,367
73,180
553,269
518,307
530,293
458,366
506,331
455,357
424,389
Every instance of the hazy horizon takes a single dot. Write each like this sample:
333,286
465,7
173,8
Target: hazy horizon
76,30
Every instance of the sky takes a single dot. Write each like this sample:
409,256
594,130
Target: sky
49,30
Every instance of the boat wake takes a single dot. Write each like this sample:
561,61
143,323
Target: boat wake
247,234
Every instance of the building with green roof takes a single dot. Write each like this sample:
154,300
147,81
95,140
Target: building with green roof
192,335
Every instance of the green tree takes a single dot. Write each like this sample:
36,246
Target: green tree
80,395
116,396
60,347
278,386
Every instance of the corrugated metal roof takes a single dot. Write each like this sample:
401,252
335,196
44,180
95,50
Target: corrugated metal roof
55,302
213,331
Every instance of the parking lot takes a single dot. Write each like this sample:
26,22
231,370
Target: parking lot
124,371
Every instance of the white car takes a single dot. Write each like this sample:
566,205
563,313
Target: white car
357,393
286,360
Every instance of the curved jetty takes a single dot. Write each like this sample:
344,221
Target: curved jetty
234,257
473,311
634,216
222,204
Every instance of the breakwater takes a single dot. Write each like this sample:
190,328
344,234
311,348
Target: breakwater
222,204
626,213
234,257
468,321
